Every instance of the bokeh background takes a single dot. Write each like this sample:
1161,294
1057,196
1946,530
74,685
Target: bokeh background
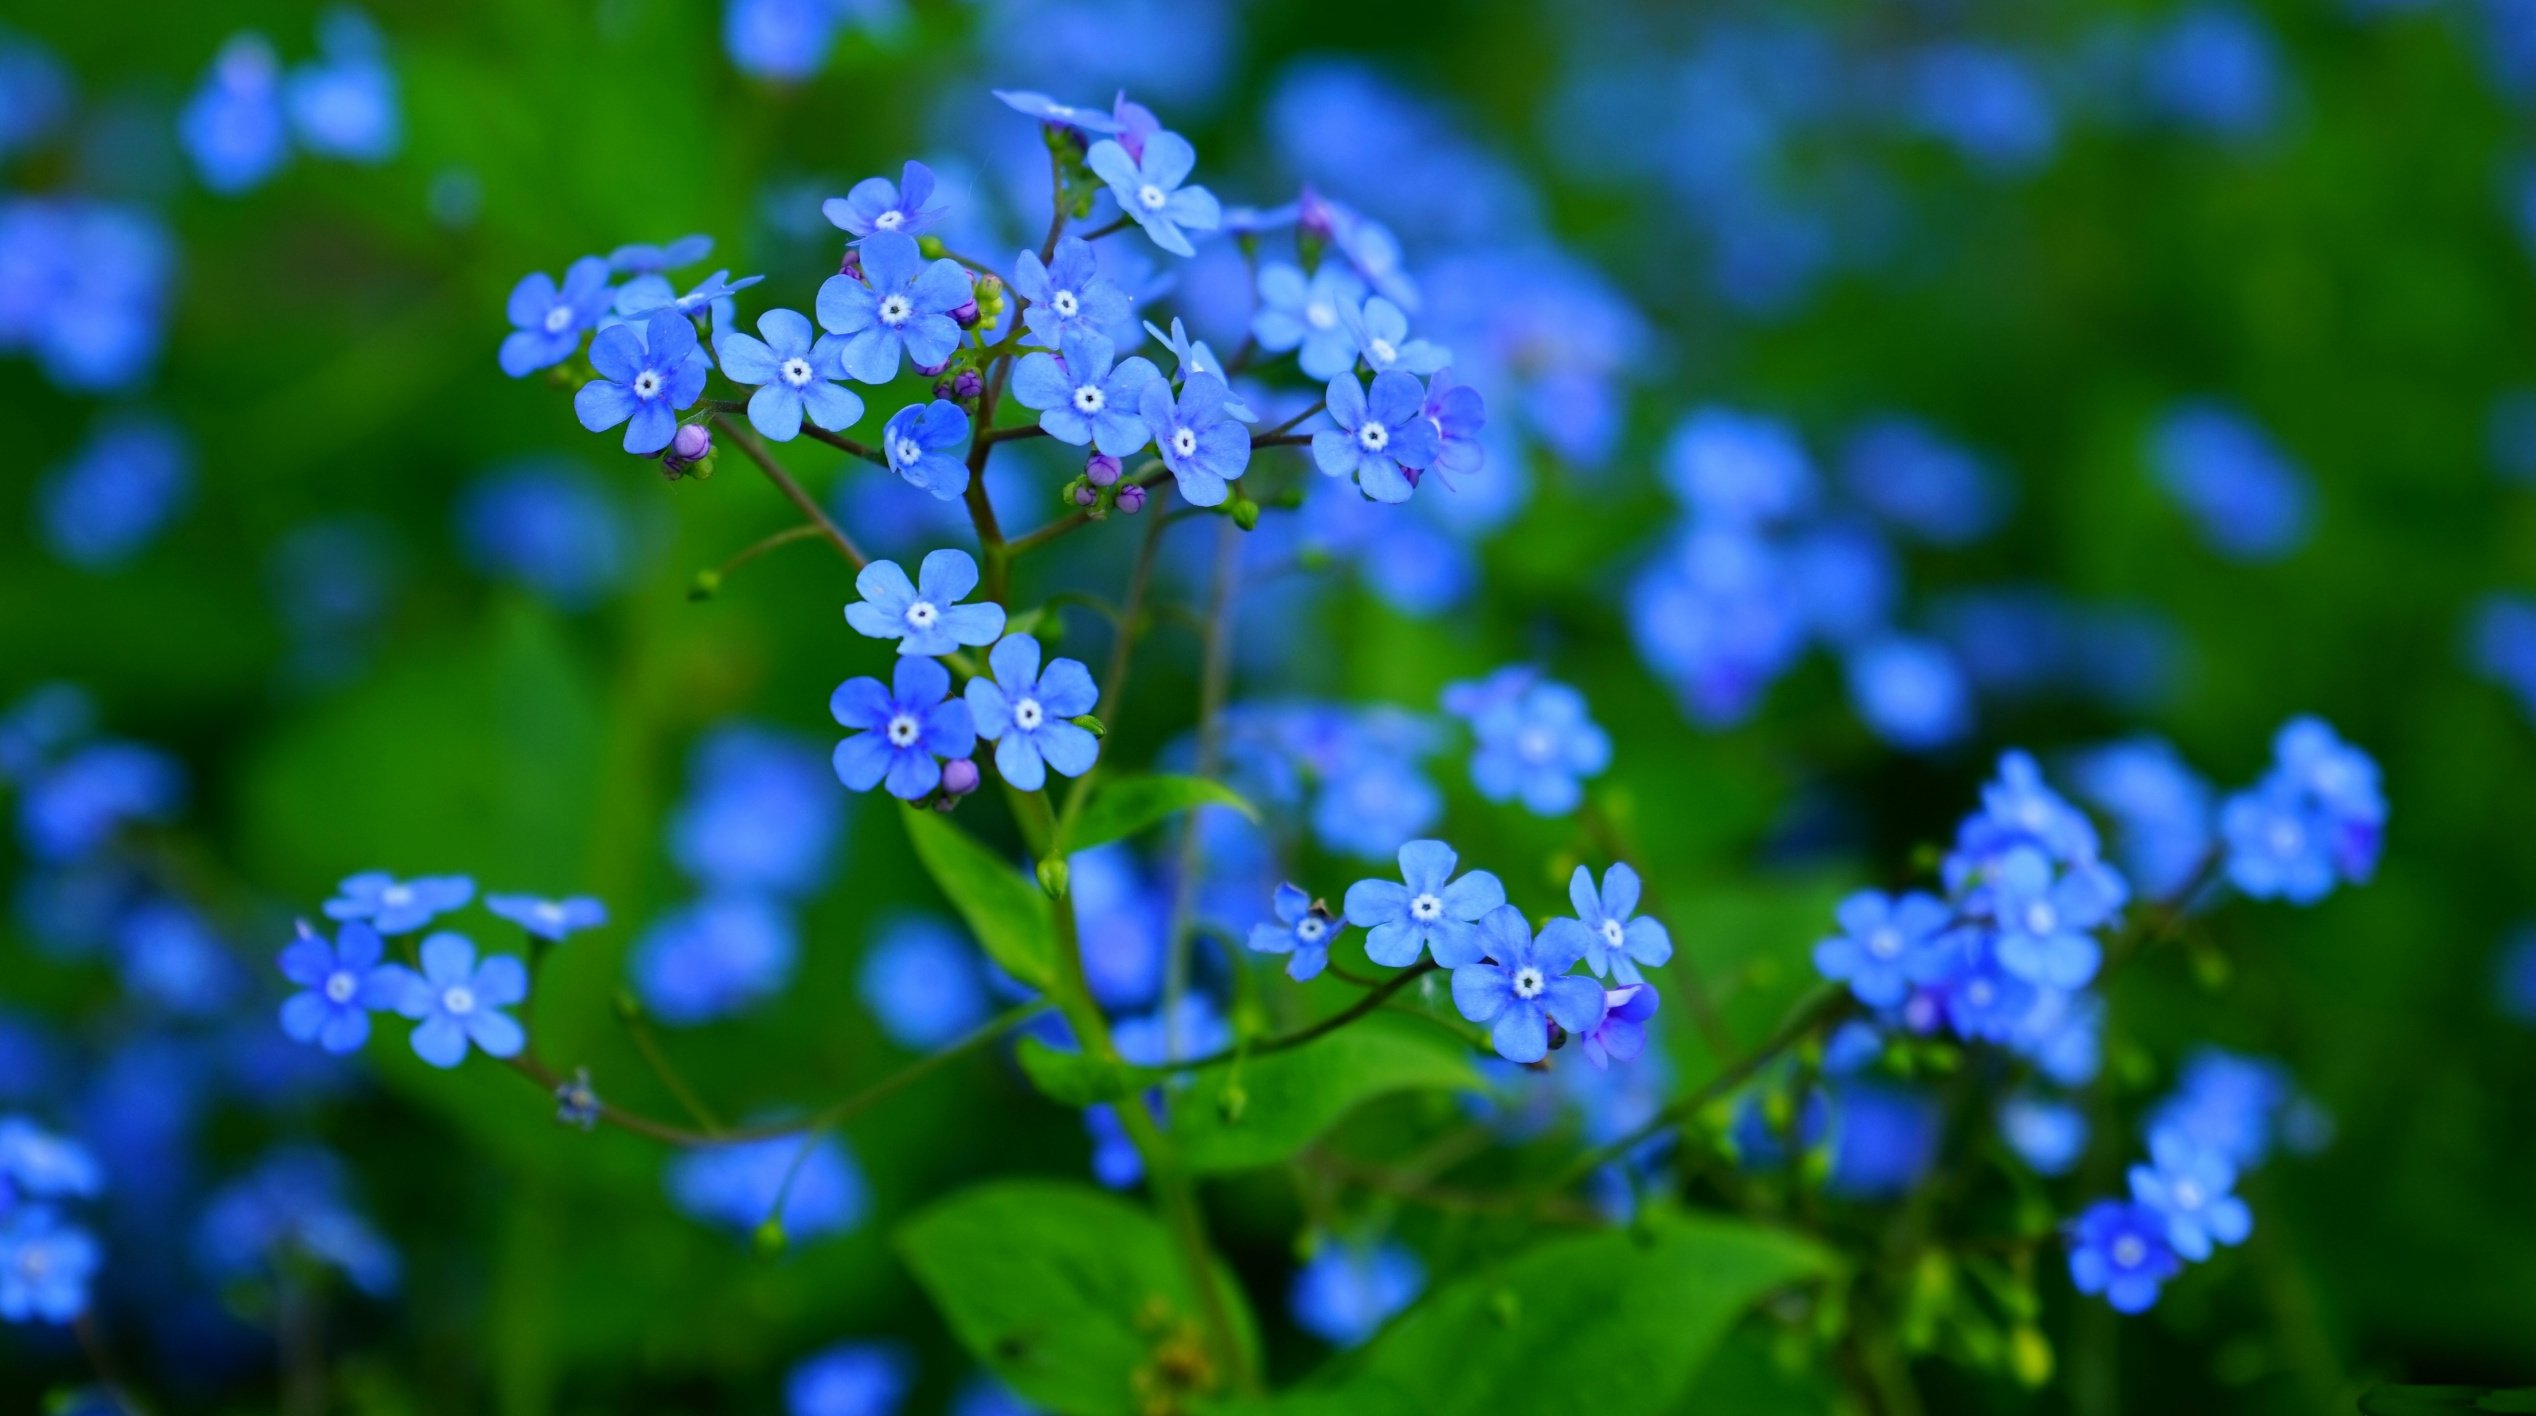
2162,369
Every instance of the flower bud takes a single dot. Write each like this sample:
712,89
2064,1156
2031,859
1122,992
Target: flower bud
1131,498
691,442
1084,495
1101,468
945,388
989,293
965,315
967,385
852,265
1246,514
932,371
959,776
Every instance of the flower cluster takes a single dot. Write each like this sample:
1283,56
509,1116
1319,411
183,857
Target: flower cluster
46,1260
242,122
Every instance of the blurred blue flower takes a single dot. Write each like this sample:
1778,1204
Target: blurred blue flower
736,1187
2120,1250
78,804
1346,1292
1910,693
2045,919
2191,1187
1539,747
171,957
233,127
551,920
849,1379
550,526
394,906
1740,469
2316,819
84,288
2501,645
2212,67
1904,471
1888,944
36,1164
760,816
1985,101
343,104
1884,1139
923,982
341,984
35,93
117,493
289,1209
2163,808
2250,501
2226,1103
2049,1134
46,1265
714,959
1296,313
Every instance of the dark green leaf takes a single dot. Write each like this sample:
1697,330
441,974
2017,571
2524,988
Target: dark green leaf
1005,911
1078,1080
1123,806
1268,1108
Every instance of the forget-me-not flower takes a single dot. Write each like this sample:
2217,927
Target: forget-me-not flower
1610,941
902,303
46,1263
2120,1250
459,1001
876,205
233,127
2192,1187
1458,413
1347,1292
1067,293
1886,945
1304,930
918,443
2044,921
548,319
902,730
645,376
1029,713
1380,332
1377,435
1197,436
1149,190
1310,316
394,906
36,1164
551,920
341,984
645,258
1524,985
1538,748
715,958
925,617
1195,359
795,375
1426,911
1622,1033
1064,115
1082,399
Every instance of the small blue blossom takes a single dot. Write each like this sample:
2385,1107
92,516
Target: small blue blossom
1378,435
2044,922
645,376
459,1001
2165,812
1196,360
2274,848
850,1378
1905,472
117,493
2050,1135
551,526
643,258
288,1211
1427,912
760,817
1622,1034
1458,413
1982,1001
2316,819
35,1164
1305,930
1524,985
1064,115
714,959
902,303
1029,714
875,205
918,443
1197,435
795,376
1149,190
2228,1104
2251,502
1611,942
1082,400
1346,1292
551,920
1538,748
925,617
736,1187
342,985
2192,1188
394,906
343,104
46,1265
2120,1250
1310,316
1380,333
923,982
1910,692
233,127
904,730
1738,468
78,804
1068,294
1887,945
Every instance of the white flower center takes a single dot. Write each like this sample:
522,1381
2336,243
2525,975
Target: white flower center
895,309
457,998
909,451
1089,399
2187,1194
1027,714
1613,933
890,220
903,730
2041,918
796,372
1373,436
922,614
2129,1252
396,897
1979,993
1184,442
1151,197
647,384
1529,983
550,914
1536,745
34,1261
1426,909
1884,943
1064,303
558,319
1381,353
1311,928
2286,837
1320,315
341,985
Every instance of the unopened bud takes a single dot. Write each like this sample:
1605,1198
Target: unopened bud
1101,468
692,442
1084,495
967,385
959,776
965,315
989,293
1246,514
852,265
946,388
1131,498
1052,876
933,371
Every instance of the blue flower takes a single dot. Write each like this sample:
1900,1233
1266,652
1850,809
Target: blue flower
850,1378
344,103
923,982
1603,933
1305,931
290,1210
1312,317
780,39
1739,468
1346,1292
926,618
1458,413
918,443
793,375
1886,945
2019,808
1067,294
78,804
2163,808
1377,436
343,984
1380,332
2190,1186
643,258
2251,501
906,305
35,1164
1197,436
2275,847
2120,1250
1428,911
1622,1033
1910,692
1149,189
647,295
548,320
1903,471
2227,1104
550,920
233,126
644,378
760,817
458,1001
713,959
876,206
1082,399
1525,986
551,526
114,497
2050,1135
1539,747
1029,714
2044,922
394,906
46,1264
737,1187
904,730
1195,360
2341,782
1064,115
1983,1002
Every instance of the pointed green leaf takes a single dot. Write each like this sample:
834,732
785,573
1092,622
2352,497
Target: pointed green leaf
1003,908
1273,1106
1078,1080
1124,806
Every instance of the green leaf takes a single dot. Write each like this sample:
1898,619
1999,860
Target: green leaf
1123,806
1268,1108
1002,907
1077,1079
1626,1315
1063,1291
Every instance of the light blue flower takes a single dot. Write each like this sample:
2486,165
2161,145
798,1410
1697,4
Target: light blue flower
645,376
233,127
341,986
1609,935
1380,333
1082,400
2191,1187
1310,316
458,1001
1149,189
550,920
918,443
1380,439
1427,911
1197,436
394,906
902,303
1305,931
903,730
875,205
925,617
548,319
795,376
1067,293
1028,714
1538,747
1523,985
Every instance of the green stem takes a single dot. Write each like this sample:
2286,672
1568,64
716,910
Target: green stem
756,452
1214,679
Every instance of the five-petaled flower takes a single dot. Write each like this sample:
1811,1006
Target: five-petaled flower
1611,943
1197,436
927,616
903,730
1067,293
2120,1249
876,205
1149,190
1305,930
394,906
1458,413
1029,713
2044,921
795,375
458,1001
1377,435
1380,332
1310,316
1538,746
341,985
1524,985
645,376
918,442
1082,399
550,319
1887,945
902,303
1426,911
1622,1033
550,920
2191,1186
